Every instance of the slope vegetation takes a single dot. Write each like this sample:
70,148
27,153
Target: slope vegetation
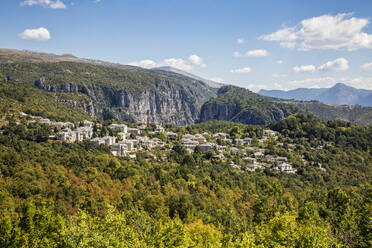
241,105
20,97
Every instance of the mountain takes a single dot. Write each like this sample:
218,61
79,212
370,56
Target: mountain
338,94
114,91
105,91
356,114
17,56
211,83
241,105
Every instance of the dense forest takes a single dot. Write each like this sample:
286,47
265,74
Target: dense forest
242,105
57,194
356,114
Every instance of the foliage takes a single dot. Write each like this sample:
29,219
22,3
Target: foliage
18,97
55,194
241,105
356,114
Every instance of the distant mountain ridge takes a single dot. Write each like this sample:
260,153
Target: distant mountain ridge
338,94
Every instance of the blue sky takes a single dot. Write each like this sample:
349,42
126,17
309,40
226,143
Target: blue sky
319,43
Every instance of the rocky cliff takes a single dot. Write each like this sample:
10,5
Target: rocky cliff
134,95
165,103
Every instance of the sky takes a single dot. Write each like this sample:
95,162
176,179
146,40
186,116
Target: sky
267,44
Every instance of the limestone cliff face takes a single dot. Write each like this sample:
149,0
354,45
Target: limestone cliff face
165,103
215,111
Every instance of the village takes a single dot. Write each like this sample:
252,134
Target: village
125,141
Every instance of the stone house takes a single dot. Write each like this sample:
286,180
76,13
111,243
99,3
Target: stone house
119,127
284,167
134,131
207,147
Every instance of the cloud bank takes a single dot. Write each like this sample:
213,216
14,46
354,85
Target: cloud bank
179,63
338,32
339,64
58,4
39,34
241,70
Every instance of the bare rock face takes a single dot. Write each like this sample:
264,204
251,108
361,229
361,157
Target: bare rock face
165,103
217,111
167,106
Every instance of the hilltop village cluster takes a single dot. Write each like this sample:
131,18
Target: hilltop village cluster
126,141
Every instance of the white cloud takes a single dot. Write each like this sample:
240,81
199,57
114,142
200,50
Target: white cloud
40,34
147,63
271,86
280,75
241,70
339,64
279,62
179,63
361,82
57,4
304,68
240,41
196,60
237,54
366,67
339,32
217,79
257,53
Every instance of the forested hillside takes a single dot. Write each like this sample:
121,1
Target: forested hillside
241,105
20,97
355,114
55,194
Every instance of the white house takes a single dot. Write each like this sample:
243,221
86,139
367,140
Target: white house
159,129
119,127
259,155
88,124
119,149
284,167
207,147
135,131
